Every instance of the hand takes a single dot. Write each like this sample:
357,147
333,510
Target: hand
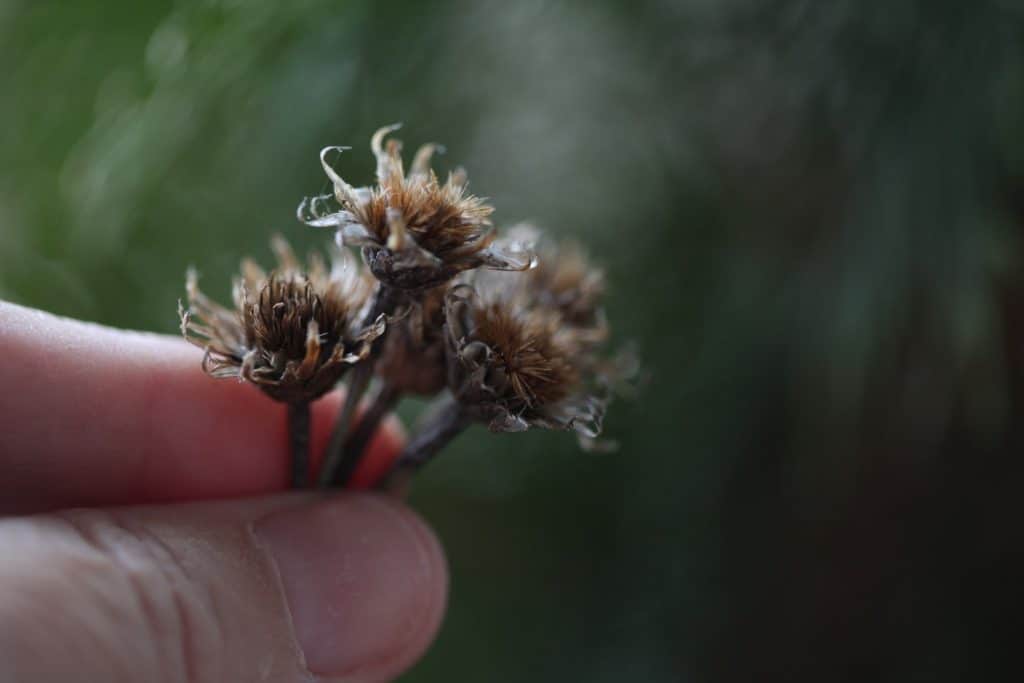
274,587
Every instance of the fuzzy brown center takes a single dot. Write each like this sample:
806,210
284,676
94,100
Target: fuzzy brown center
278,321
440,217
538,368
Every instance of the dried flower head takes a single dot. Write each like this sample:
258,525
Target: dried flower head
293,332
415,231
519,366
563,281
566,280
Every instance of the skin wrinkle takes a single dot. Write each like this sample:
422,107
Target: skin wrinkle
91,647
136,545
215,633
84,536
166,561
211,547
271,586
184,625
275,576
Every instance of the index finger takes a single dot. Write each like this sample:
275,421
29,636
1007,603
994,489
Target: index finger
91,415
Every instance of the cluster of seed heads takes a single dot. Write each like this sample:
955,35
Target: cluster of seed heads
504,329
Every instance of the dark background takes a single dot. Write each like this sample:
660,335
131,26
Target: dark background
811,214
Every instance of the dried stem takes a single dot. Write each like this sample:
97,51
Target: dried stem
445,424
359,380
298,433
380,405
385,303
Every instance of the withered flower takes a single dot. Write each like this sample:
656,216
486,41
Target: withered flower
411,361
416,234
517,350
523,350
563,280
292,332
415,231
517,367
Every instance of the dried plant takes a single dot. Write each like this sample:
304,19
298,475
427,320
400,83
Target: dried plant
563,280
415,231
411,361
416,234
514,367
445,308
522,352
293,332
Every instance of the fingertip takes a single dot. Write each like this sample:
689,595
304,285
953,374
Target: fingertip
365,580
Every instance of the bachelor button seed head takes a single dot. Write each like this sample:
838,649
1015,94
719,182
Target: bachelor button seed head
293,333
415,231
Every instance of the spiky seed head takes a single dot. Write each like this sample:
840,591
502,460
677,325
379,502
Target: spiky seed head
564,281
292,332
517,366
415,231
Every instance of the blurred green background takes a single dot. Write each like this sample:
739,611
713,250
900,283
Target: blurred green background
811,215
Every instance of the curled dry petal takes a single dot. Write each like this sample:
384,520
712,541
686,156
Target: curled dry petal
342,190
421,160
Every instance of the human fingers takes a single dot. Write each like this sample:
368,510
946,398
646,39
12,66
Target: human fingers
288,588
97,416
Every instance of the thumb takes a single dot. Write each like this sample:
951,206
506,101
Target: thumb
290,588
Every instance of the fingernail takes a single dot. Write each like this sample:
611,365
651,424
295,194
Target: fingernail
364,579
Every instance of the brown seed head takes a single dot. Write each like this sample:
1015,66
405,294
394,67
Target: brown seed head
293,332
518,366
441,218
530,357
563,282
565,279
416,232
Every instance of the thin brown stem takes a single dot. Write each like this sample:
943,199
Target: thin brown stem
387,300
380,405
298,434
445,424
359,380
